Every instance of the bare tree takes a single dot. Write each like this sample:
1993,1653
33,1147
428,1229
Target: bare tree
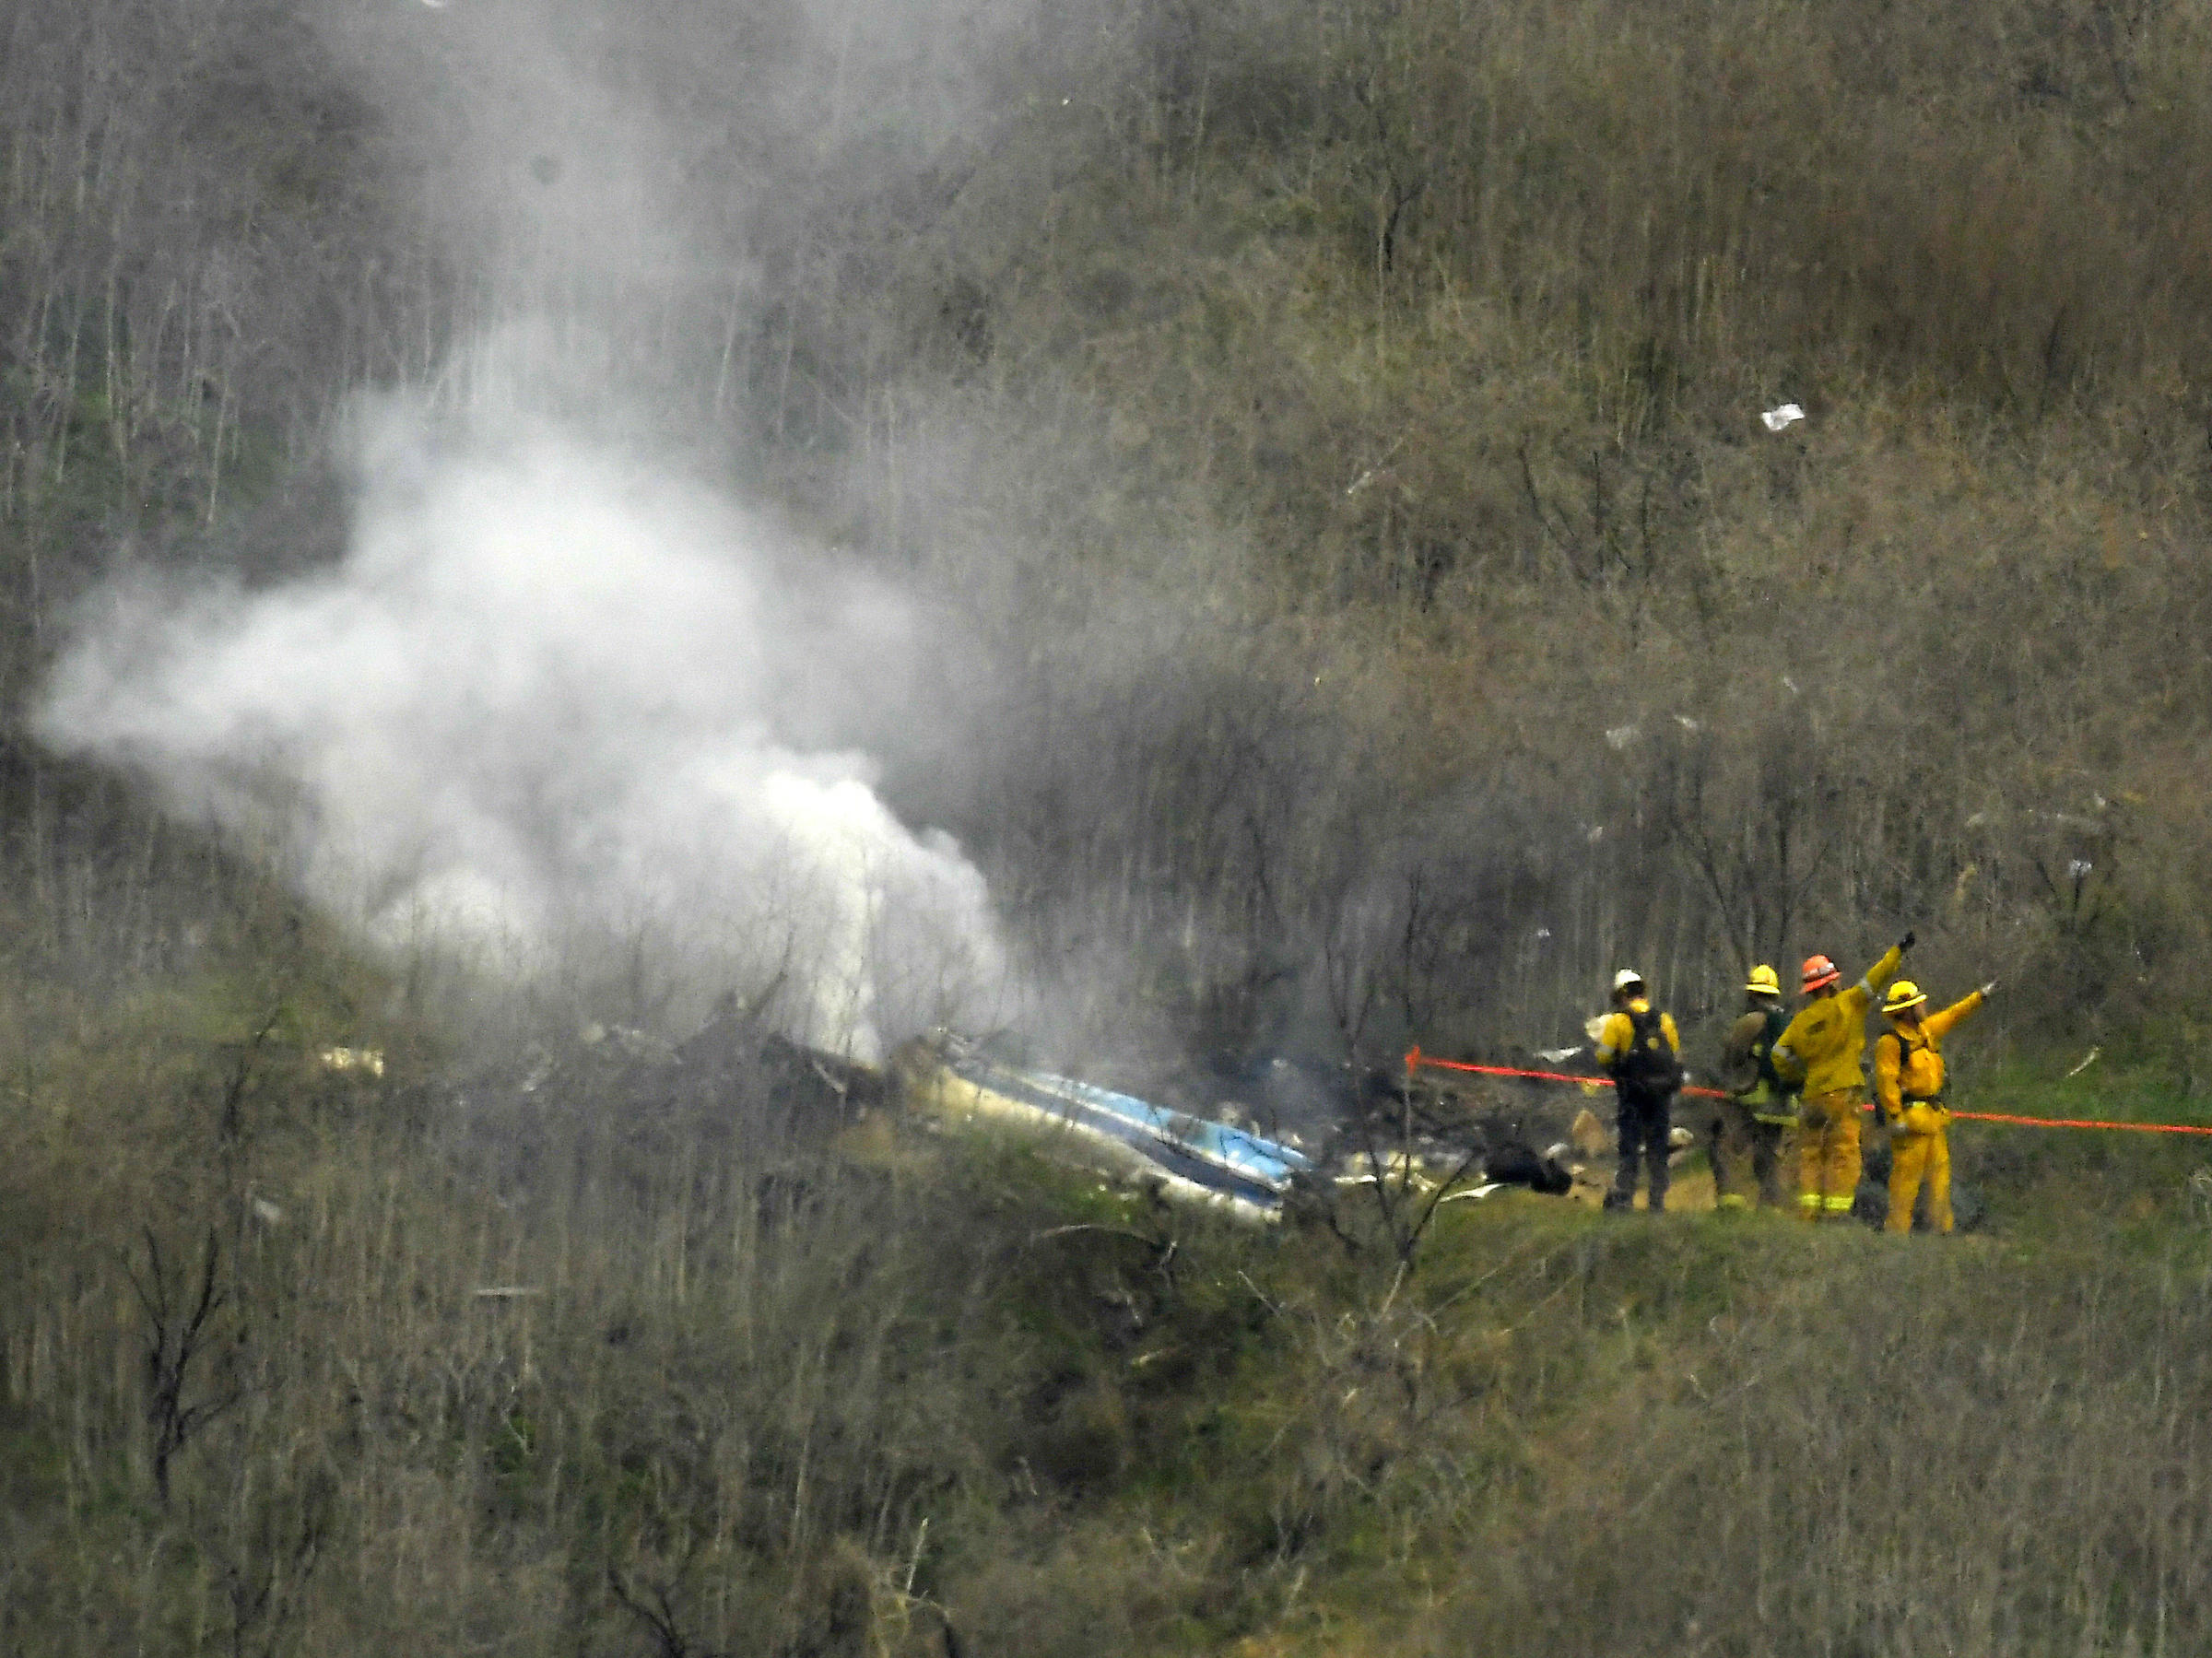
181,1328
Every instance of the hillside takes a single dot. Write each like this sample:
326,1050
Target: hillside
1183,535
564,1359
1388,375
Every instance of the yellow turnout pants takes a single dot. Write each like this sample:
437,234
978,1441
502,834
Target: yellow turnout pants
1920,1150
1828,1153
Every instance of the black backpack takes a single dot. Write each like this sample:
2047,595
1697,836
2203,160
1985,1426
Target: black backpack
1651,1065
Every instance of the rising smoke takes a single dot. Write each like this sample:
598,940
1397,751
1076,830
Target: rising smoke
542,705
557,702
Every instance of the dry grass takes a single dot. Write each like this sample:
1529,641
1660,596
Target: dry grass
782,1386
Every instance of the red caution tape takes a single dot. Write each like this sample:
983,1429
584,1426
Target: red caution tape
1417,1060
2140,1128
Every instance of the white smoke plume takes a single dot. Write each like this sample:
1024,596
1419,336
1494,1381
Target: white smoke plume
546,701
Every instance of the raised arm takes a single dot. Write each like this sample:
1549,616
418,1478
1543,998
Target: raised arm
1882,972
1964,1008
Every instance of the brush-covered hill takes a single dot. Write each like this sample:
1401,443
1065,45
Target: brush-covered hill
601,1351
1336,430
1318,451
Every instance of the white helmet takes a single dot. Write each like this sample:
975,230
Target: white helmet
1625,978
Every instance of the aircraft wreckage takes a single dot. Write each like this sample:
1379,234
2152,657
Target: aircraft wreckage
1189,1156
1199,1158
1324,1126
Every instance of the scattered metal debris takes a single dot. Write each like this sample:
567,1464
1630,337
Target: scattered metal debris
1189,1156
1473,1193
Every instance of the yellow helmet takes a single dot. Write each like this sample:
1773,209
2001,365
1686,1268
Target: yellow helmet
1905,993
1764,981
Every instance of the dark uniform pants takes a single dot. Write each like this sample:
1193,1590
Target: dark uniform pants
1748,1155
1729,1146
1644,1122
1773,1155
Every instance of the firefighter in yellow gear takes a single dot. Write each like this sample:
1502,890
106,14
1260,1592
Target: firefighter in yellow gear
1750,1126
1824,1053
1907,1087
1640,1049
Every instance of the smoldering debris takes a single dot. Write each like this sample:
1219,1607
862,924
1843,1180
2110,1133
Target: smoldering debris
1356,1128
638,1111
1518,1165
1299,1099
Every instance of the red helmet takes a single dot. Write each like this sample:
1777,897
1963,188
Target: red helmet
1820,973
